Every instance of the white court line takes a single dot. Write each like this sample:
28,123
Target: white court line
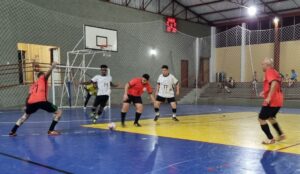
62,121
88,120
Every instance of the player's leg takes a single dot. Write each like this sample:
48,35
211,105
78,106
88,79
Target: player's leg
275,124
124,110
263,116
139,110
57,113
103,102
30,109
157,103
173,104
87,98
20,121
95,105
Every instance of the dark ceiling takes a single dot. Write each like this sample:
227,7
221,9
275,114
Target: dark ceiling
212,12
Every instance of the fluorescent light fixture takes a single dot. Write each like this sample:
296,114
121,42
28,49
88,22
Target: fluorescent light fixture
153,52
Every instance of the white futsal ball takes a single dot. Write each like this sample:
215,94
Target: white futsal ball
111,126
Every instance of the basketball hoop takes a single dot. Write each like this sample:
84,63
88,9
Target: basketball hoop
106,50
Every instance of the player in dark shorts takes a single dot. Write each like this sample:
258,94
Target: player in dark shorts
37,99
273,101
165,91
133,92
103,81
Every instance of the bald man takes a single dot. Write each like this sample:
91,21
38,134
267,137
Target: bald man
273,101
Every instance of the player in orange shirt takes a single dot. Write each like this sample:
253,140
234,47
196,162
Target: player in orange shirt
133,92
37,99
273,101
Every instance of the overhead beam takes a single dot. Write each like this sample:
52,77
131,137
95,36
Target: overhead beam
231,9
202,4
193,12
165,7
147,4
267,5
128,2
269,13
180,12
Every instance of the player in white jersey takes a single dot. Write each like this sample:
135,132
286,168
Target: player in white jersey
165,90
103,82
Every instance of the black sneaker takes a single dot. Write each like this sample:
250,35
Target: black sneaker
175,119
12,134
137,125
123,124
156,118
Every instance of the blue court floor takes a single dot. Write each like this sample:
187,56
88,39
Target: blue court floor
85,150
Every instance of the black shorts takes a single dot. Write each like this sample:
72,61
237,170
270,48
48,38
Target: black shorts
134,99
163,99
268,112
101,100
47,106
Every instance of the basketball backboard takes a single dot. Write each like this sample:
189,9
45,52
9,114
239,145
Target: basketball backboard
96,37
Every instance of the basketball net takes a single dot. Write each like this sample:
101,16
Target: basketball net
106,50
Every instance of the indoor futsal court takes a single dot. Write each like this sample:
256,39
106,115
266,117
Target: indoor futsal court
149,87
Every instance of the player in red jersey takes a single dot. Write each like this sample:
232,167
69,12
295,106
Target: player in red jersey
273,101
132,94
37,99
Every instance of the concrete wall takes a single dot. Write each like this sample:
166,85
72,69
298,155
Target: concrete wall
290,57
60,23
228,59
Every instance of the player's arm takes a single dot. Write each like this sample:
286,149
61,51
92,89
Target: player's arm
114,85
274,83
157,89
177,89
125,96
150,93
48,73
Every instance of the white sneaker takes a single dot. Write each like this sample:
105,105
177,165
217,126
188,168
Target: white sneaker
281,137
267,142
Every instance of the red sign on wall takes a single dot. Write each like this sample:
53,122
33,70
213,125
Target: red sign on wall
171,25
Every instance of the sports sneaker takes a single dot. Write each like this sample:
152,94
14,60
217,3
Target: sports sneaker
266,142
281,137
12,134
123,124
175,119
92,115
137,125
156,117
53,133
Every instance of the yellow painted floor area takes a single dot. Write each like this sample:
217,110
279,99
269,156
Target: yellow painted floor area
238,129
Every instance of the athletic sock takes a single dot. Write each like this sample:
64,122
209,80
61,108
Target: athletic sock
174,112
15,128
53,124
266,129
156,111
123,115
277,128
137,117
